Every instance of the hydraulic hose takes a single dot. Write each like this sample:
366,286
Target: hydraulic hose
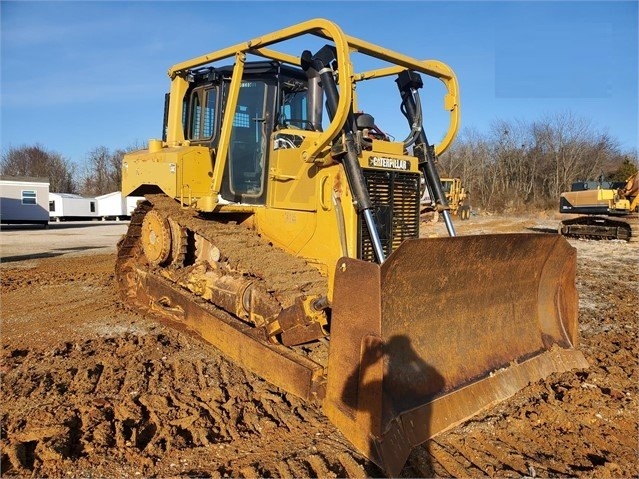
408,83
354,175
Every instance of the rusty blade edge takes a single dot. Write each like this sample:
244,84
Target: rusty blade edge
411,428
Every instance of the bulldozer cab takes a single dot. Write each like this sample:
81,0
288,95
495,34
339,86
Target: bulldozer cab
270,96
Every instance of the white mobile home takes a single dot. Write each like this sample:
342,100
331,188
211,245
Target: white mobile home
115,206
24,200
131,203
67,206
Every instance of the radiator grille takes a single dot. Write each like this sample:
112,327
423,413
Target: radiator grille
395,198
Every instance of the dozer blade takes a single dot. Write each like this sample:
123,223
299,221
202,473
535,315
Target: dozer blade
444,328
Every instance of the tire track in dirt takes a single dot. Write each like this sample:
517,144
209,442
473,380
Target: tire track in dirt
91,388
141,397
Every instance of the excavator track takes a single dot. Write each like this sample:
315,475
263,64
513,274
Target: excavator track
277,279
600,227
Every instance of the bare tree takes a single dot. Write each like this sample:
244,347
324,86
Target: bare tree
520,165
468,160
626,167
569,150
514,167
103,170
36,161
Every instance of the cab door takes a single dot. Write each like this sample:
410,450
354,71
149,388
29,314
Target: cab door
246,170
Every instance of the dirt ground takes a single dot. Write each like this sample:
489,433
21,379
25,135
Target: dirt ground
92,389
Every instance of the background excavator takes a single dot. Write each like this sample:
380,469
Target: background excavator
608,210
281,224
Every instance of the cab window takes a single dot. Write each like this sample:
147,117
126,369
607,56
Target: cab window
202,121
247,160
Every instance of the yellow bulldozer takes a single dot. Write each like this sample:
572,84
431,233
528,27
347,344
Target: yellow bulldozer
281,224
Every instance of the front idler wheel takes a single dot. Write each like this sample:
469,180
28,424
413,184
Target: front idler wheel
156,238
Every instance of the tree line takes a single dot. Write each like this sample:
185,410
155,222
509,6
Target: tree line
100,173
515,166
527,165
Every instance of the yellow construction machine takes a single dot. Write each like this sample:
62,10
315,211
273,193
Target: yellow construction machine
281,224
455,194
607,210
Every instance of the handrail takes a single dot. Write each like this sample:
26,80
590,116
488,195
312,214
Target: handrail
344,45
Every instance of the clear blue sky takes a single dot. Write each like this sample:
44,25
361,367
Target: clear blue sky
76,75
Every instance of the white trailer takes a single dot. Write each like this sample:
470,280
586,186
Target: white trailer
110,206
67,206
24,200
113,206
131,203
